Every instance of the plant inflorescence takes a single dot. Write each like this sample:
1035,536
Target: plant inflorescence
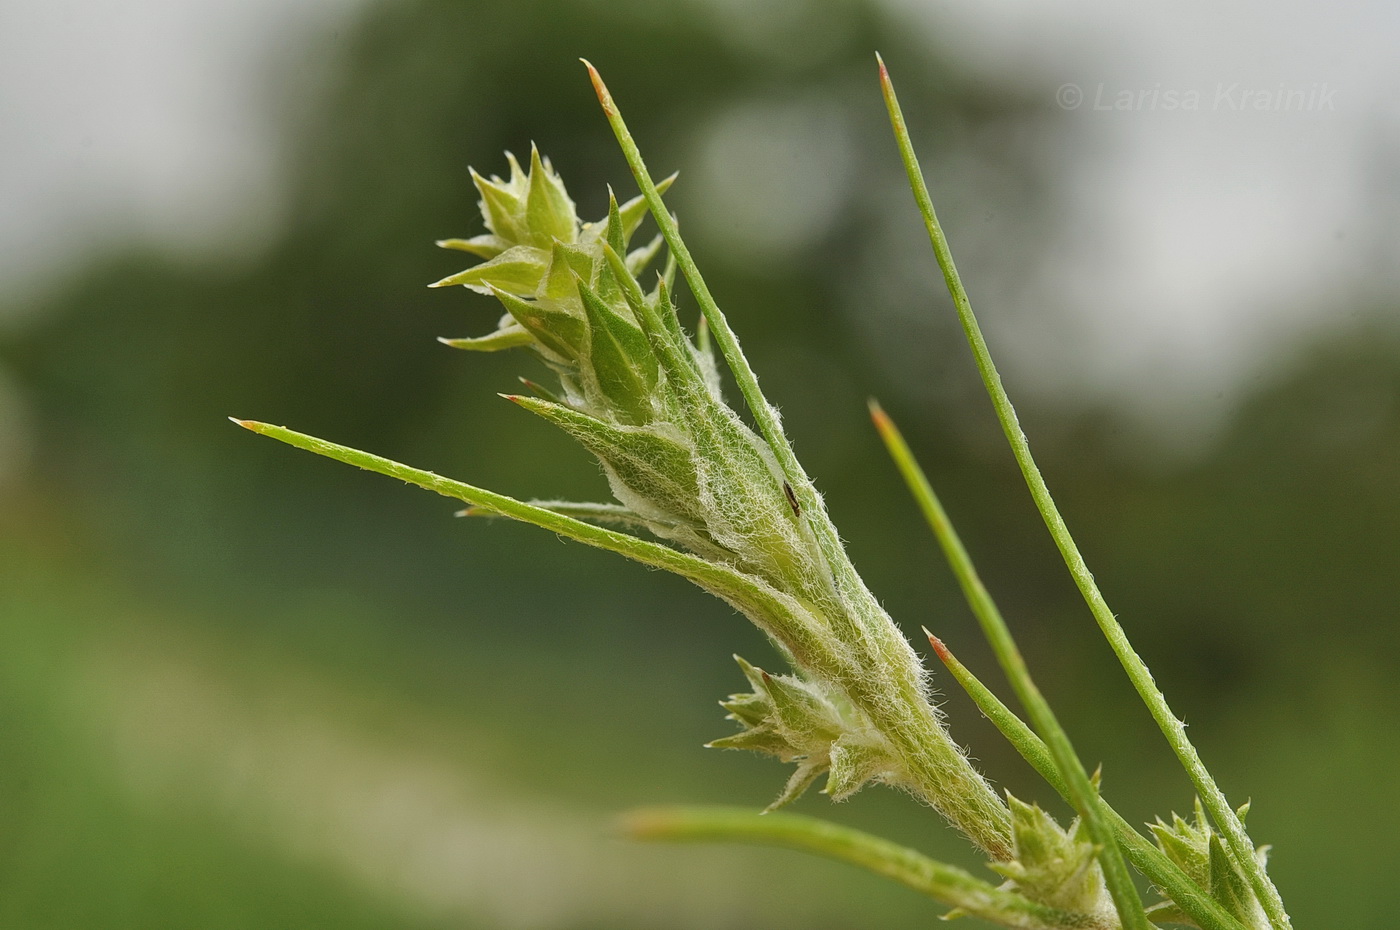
701,493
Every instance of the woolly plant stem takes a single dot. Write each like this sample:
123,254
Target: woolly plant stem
1081,791
1240,845
945,883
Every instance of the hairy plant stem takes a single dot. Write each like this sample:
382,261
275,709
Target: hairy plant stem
1226,819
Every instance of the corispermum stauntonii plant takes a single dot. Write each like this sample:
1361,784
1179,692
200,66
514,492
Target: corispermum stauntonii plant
700,493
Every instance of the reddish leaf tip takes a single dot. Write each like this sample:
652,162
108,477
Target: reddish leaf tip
599,87
939,649
882,420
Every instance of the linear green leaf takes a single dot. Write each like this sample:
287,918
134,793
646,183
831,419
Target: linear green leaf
1225,817
1082,794
945,883
742,591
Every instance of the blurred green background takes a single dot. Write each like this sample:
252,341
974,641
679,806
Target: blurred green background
241,687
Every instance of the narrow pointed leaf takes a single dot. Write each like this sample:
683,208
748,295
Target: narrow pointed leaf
852,766
517,270
765,415
796,707
1181,851
1171,726
757,677
517,174
542,392
617,237
797,785
1082,794
666,312
1229,887
566,264
748,594
947,884
669,351
754,740
638,259
508,337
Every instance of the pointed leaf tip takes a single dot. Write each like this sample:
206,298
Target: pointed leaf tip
939,649
246,424
882,420
599,87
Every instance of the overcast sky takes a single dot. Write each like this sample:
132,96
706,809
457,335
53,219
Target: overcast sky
1228,164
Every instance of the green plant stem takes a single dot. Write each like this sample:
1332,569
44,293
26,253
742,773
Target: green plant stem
1241,847
1194,901
945,883
1081,791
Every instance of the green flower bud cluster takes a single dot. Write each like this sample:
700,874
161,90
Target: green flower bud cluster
644,398
790,718
1199,850
1056,866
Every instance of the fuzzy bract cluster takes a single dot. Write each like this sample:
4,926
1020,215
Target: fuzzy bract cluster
797,722
633,389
